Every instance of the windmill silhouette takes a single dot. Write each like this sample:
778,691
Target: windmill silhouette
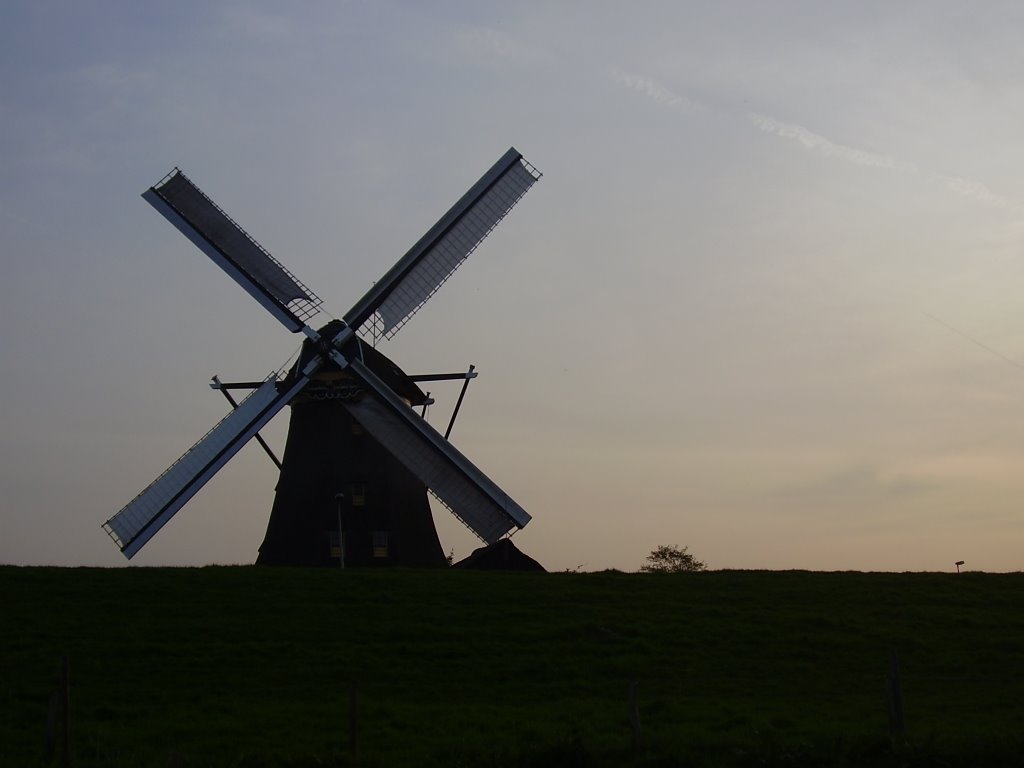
358,459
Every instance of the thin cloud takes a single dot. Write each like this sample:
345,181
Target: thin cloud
975,190
654,91
258,26
860,485
820,144
495,45
109,78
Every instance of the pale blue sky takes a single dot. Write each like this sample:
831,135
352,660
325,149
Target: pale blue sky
724,317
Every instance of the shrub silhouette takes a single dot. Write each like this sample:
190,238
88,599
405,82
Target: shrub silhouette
672,559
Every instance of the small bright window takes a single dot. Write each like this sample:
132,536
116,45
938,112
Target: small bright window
358,494
380,543
334,542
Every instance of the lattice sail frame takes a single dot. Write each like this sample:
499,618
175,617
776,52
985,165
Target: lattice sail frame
233,249
447,246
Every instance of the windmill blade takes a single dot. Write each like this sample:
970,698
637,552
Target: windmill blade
218,236
147,513
416,277
467,492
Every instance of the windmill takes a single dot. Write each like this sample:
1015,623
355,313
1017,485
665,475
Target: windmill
353,427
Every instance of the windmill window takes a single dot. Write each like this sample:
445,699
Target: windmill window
359,494
380,543
334,540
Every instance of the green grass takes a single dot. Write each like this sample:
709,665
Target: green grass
253,667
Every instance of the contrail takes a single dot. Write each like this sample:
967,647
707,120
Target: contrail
973,340
654,90
819,143
815,142
975,190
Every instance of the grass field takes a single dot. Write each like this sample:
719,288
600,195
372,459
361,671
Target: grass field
245,666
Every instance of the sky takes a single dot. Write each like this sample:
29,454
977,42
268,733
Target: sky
766,301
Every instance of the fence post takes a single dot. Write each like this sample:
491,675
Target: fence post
66,685
59,711
53,709
353,719
634,713
894,697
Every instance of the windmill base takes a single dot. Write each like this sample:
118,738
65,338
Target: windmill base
343,501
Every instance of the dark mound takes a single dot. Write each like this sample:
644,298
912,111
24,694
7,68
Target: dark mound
502,555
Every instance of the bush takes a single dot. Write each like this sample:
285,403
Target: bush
672,559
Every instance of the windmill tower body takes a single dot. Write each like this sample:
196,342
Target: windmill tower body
340,491
358,459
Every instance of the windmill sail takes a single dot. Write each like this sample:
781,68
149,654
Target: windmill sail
218,236
467,492
429,263
147,513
